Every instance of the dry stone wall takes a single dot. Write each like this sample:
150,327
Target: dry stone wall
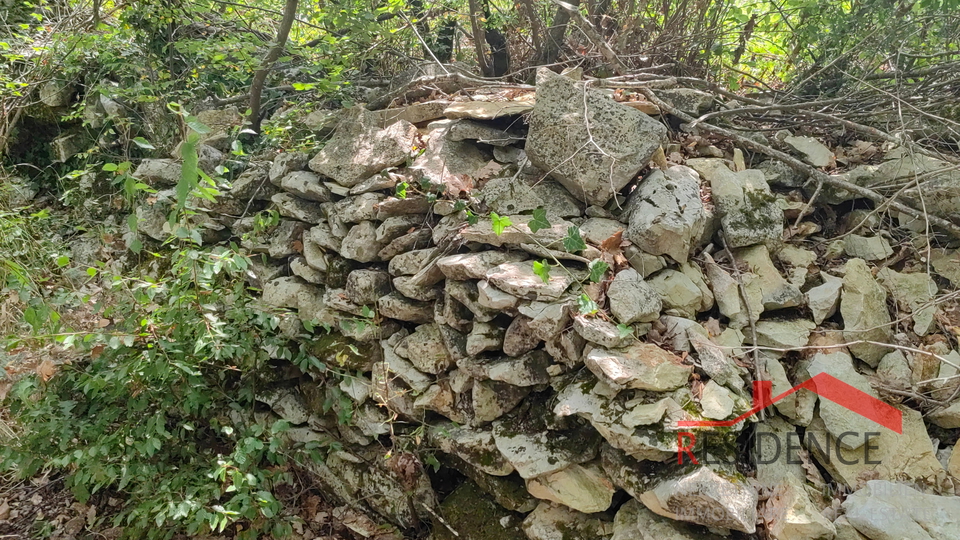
504,293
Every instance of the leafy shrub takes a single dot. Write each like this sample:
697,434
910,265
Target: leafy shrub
161,409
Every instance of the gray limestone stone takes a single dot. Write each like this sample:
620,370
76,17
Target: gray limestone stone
623,139
812,150
863,305
286,163
632,299
366,286
642,366
885,510
706,498
665,213
306,185
359,148
749,213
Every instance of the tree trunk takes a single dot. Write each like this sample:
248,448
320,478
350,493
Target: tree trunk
260,77
478,37
528,11
499,54
555,35
96,14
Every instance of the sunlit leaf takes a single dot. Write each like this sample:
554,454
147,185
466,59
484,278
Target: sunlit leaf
499,223
586,306
542,269
143,143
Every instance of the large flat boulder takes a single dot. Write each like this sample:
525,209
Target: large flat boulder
586,141
359,148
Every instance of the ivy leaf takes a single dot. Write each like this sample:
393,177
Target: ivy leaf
402,190
367,312
624,330
587,306
542,269
472,218
597,270
573,242
539,220
499,223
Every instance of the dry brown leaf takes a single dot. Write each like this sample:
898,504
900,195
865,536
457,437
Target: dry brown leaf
612,244
696,388
103,323
97,351
407,467
5,387
488,170
458,183
311,505
46,370
812,473
298,246
712,326
776,507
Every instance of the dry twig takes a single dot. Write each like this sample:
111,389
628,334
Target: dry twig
816,174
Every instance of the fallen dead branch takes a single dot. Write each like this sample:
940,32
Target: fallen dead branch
452,75
819,176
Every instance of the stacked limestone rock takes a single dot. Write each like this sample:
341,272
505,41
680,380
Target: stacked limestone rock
552,393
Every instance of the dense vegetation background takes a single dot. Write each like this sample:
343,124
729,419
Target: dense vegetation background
143,357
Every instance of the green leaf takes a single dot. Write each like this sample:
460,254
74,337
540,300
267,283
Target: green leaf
132,222
624,330
402,190
92,272
143,143
63,260
539,220
597,270
573,242
432,461
542,269
189,171
196,125
367,312
586,306
472,218
110,167
499,223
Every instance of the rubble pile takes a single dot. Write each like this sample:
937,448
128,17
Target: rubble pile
538,293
